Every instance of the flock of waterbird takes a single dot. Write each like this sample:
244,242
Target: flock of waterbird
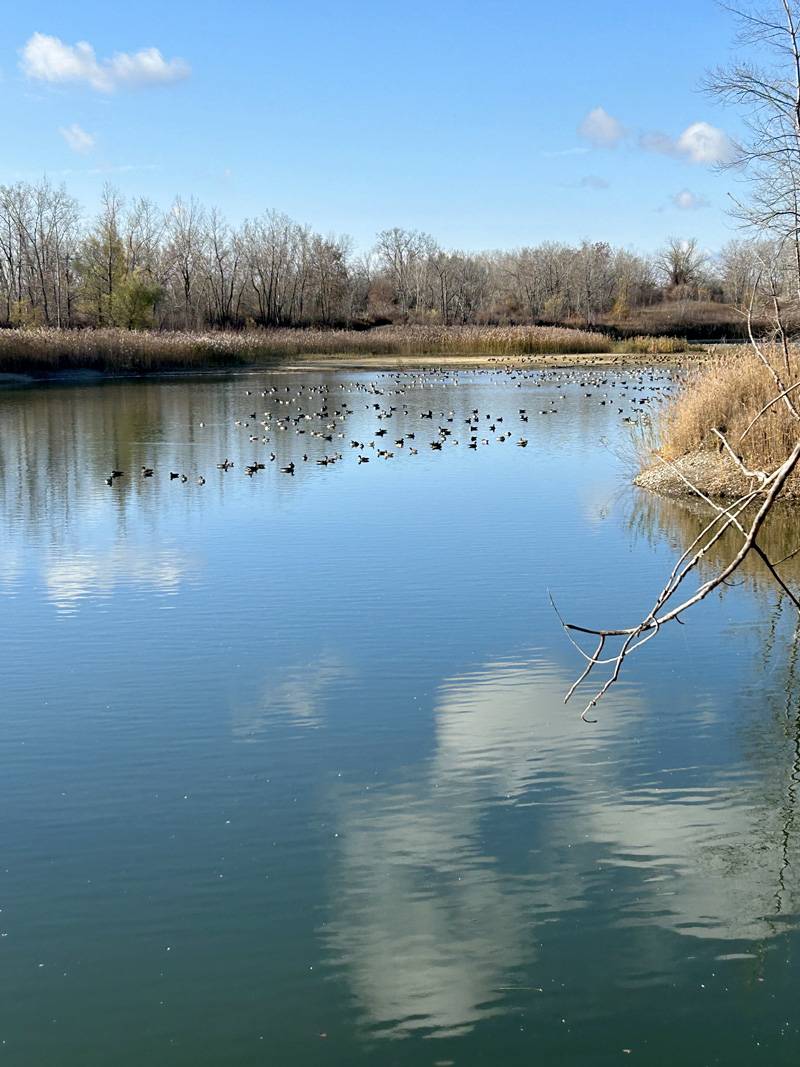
317,412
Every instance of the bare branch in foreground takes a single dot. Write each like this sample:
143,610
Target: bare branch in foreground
633,637
760,475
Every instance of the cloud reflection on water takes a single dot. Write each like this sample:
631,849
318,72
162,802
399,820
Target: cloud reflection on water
72,577
431,919
297,693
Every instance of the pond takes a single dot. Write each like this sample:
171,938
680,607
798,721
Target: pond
286,775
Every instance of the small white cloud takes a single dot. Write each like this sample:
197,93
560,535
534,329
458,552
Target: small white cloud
594,181
703,143
686,200
699,143
77,138
602,129
49,59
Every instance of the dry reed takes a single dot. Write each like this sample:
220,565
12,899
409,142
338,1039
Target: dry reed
726,393
47,351
651,346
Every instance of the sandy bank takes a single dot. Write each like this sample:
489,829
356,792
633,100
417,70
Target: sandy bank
466,362
713,473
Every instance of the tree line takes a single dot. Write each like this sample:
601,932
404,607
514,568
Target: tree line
136,266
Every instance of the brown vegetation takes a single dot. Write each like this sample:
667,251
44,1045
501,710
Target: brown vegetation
726,394
46,351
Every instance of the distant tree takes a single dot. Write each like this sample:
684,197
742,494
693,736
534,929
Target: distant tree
272,271
681,262
101,261
401,252
185,252
134,301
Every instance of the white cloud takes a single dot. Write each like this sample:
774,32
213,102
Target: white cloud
594,181
77,138
686,200
703,143
699,143
49,59
602,129
556,153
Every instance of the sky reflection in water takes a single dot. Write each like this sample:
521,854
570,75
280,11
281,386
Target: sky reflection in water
288,757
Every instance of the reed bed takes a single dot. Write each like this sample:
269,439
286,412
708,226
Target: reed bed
48,351
727,392
653,346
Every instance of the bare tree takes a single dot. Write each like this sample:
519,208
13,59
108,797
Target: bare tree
186,252
681,262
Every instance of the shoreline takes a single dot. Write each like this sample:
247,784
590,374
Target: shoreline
354,362
42,353
489,362
714,473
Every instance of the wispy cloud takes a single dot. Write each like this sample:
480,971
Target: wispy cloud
110,168
77,138
602,129
49,59
594,181
686,200
579,150
699,143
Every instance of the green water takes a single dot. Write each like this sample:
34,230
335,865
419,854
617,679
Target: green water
285,771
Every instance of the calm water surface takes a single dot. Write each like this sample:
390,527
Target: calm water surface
285,772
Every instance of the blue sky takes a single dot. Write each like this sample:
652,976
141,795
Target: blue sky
461,119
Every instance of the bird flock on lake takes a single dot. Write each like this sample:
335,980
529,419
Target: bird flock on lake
320,413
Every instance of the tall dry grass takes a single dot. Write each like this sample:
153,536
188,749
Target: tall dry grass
726,393
45,351
114,349
647,345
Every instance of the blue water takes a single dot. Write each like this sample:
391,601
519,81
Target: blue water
285,770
